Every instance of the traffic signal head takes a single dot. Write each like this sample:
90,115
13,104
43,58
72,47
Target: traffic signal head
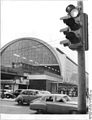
77,31
73,33
71,22
72,10
71,36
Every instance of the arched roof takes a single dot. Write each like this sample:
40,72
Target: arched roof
38,43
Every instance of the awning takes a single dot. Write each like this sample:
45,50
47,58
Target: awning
7,82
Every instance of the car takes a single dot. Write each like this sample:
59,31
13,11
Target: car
55,104
17,92
9,95
44,92
26,96
6,90
6,93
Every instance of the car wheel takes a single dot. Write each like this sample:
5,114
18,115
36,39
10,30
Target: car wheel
40,111
74,112
20,102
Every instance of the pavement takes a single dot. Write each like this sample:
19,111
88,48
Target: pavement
5,99
10,99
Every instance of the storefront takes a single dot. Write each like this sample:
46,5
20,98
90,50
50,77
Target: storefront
69,89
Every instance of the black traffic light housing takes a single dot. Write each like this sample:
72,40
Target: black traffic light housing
71,36
72,23
75,20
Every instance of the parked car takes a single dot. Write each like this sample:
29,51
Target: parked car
17,92
8,95
44,92
6,90
26,96
54,103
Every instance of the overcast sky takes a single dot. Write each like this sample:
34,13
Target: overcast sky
41,19
38,19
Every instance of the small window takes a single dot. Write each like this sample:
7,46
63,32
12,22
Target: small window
36,92
31,93
49,99
25,92
59,99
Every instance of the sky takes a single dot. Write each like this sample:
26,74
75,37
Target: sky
39,19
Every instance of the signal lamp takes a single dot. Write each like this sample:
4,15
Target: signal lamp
72,11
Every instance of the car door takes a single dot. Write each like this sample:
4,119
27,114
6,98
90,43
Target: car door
33,95
25,96
49,103
56,106
16,93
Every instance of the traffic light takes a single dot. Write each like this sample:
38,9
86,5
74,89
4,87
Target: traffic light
77,27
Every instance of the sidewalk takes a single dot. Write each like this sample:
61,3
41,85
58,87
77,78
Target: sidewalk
5,99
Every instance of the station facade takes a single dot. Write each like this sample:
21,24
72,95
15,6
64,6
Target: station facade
34,64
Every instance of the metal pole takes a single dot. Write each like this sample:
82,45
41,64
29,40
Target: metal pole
81,82
81,72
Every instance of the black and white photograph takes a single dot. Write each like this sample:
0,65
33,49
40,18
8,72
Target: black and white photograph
46,60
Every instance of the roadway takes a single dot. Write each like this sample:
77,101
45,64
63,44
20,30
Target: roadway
11,107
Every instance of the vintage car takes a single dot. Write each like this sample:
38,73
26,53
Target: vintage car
9,95
26,96
6,93
54,103
17,92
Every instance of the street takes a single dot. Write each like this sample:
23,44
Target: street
11,107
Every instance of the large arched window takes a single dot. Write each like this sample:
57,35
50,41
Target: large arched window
31,51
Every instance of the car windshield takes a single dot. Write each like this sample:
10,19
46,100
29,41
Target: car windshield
17,91
24,92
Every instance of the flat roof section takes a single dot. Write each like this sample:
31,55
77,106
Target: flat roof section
45,77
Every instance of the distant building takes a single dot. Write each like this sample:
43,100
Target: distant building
37,65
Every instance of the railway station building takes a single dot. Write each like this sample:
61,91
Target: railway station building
34,64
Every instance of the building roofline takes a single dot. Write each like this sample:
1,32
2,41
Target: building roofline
68,57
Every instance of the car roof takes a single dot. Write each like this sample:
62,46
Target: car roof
30,90
60,95
19,89
43,91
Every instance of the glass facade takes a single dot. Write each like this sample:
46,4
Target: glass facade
31,52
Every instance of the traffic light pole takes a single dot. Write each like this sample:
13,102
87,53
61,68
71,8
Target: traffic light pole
81,82
77,39
81,72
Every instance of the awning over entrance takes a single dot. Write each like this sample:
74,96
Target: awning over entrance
56,79
7,82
